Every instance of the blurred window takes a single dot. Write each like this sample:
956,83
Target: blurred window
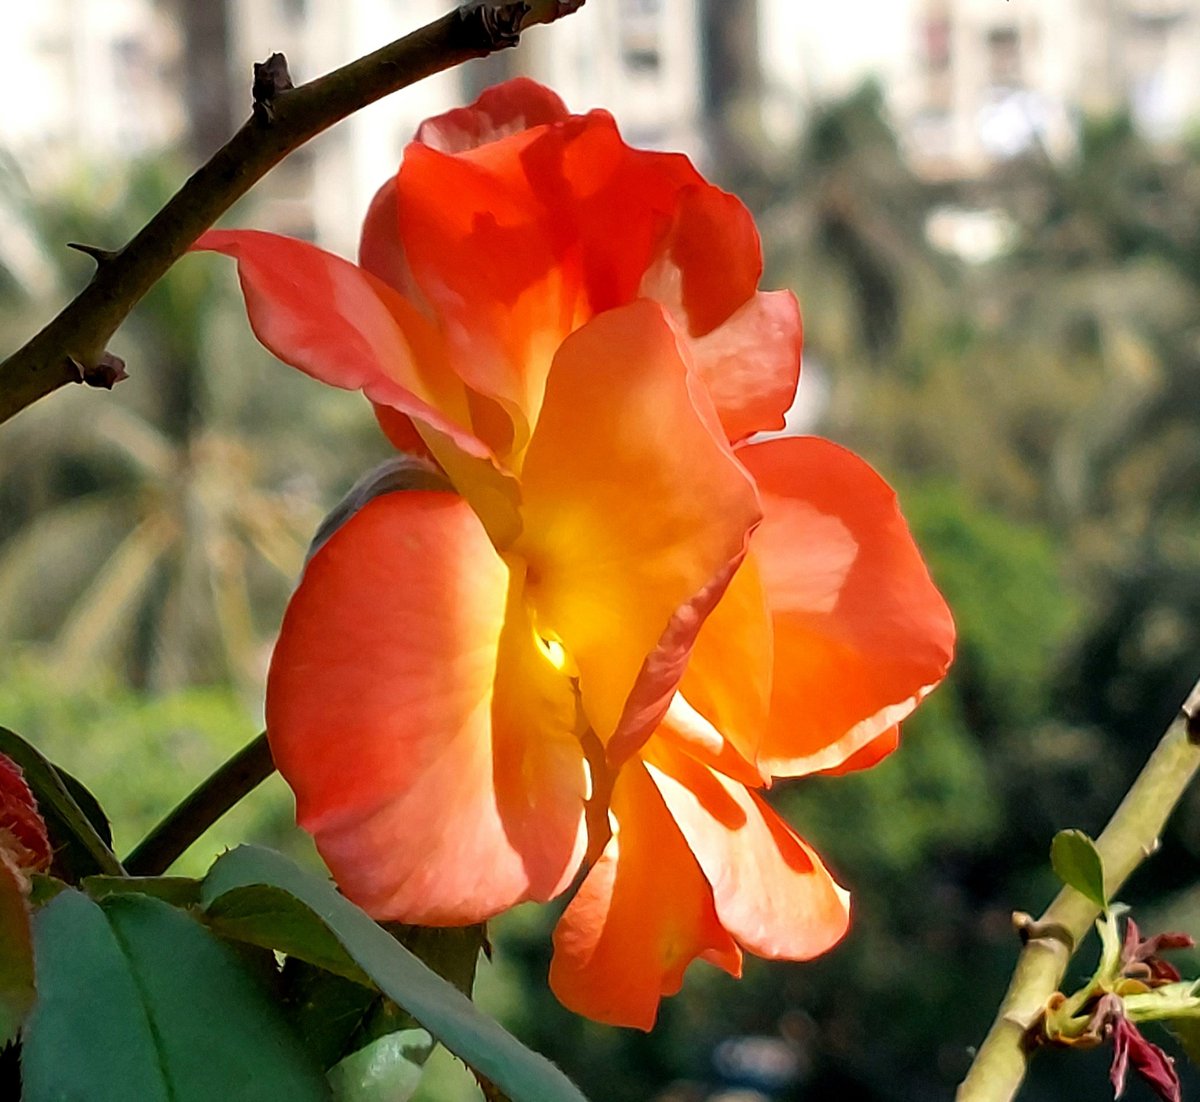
936,33
1004,56
640,31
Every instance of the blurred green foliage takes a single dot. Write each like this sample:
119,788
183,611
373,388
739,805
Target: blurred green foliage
1038,412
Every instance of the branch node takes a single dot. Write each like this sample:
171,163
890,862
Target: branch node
1031,929
271,78
106,372
99,255
1190,710
493,26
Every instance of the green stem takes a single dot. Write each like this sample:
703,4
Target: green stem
1130,837
239,776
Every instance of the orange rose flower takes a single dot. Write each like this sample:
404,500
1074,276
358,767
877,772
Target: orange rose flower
627,618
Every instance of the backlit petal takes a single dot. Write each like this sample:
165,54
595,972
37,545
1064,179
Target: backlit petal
344,326
861,632
870,755
548,227
709,261
635,515
770,889
380,250
506,109
728,677
430,747
641,916
751,363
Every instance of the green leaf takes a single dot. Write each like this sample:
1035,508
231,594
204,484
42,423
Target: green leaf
269,917
78,847
387,1070
327,1011
179,891
16,954
136,1000
440,1008
1077,863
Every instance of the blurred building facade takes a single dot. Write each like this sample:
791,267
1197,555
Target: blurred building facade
969,82
81,78
989,81
640,59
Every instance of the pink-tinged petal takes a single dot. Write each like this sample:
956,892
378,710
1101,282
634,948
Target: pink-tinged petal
635,516
341,325
429,744
751,363
500,112
641,916
771,891
708,263
861,632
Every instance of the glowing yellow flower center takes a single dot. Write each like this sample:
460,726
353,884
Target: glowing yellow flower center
554,651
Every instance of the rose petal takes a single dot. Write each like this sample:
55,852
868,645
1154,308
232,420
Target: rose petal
635,515
429,744
751,363
709,261
337,323
861,632
641,916
728,676
510,108
870,755
380,250
771,891
548,227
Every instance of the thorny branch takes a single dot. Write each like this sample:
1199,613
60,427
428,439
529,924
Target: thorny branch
72,347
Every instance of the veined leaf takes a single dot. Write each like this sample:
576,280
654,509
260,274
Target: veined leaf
136,1000
1077,862
437,1005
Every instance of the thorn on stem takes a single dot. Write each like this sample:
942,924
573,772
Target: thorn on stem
271,77
106,372
99,255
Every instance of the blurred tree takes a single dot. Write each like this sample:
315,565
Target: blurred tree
159,529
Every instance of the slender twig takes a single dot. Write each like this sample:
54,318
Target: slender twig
239,776
1130,837
71,348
